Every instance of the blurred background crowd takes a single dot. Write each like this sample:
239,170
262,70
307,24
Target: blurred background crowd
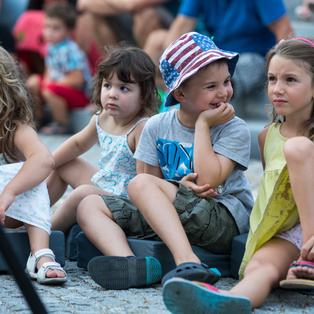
250,28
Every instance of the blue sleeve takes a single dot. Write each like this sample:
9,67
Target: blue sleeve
190,8
76,60
270,10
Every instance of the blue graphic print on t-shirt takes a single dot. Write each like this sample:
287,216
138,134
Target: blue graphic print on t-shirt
175,158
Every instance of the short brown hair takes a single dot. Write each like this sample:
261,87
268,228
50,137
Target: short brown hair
63,11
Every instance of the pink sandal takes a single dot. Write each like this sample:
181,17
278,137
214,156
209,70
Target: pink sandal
298,283
185,296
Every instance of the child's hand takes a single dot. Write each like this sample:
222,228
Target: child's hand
217,116
307,251
204,191
6,199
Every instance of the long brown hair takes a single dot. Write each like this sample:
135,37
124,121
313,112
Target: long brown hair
15,104
301,52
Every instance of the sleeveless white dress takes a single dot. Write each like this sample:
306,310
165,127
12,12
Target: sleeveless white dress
31,207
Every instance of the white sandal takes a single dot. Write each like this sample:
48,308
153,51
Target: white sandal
40,275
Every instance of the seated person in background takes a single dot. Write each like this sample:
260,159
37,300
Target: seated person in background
65,83
305,10
113,21
28,36
250,28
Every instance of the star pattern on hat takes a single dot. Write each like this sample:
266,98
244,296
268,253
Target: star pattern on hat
204,42
169,73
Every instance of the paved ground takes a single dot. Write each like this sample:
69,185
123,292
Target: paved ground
82,295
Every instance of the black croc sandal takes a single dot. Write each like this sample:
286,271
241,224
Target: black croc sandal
193,271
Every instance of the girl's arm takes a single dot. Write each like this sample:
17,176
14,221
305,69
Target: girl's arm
211,168
261,142
155,171
77,144
142,167
36,168
38,160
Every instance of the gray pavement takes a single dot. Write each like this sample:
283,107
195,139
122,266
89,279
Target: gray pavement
82,295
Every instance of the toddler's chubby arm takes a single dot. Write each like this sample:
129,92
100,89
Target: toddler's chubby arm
74,79
212,168
36,168
77,144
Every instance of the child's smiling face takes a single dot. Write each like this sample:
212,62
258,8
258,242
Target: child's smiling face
207,88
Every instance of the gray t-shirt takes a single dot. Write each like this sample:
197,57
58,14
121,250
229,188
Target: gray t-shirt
167,144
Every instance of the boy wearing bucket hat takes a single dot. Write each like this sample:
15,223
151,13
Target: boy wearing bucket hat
201,150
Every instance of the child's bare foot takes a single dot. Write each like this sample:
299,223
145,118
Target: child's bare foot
51,273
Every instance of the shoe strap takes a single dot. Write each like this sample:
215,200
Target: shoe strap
43,252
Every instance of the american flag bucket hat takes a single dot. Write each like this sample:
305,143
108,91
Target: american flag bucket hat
185,56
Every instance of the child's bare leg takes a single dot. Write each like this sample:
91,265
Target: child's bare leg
154,197
65,216
39,239
57,106
74,173
96,221
267,267
33,82
301,175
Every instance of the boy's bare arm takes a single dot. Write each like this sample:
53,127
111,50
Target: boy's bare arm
73,79
211,168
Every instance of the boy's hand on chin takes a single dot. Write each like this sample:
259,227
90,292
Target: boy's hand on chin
217,116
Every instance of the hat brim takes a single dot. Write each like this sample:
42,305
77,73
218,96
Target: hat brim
231,58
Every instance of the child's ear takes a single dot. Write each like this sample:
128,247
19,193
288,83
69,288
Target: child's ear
179,95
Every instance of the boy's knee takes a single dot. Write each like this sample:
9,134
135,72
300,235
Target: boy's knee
138,183
86,207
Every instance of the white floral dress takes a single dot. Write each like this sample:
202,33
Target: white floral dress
31,207
117,164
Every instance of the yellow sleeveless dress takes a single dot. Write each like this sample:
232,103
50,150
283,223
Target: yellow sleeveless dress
274,210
